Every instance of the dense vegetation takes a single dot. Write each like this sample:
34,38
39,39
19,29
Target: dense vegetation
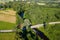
32,11
52,31
42,14
37,14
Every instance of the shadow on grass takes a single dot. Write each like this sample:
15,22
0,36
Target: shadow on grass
41,34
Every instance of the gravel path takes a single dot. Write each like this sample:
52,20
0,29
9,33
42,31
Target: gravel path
40,25
7,30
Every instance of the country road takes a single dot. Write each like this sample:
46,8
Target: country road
7,30
35,26
40,25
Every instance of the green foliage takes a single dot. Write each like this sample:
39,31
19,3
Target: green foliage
1,6
39,14
19,19
52,31
25,32
57,15
34,11
27,35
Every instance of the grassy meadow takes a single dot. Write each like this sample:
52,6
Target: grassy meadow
7,36
6,25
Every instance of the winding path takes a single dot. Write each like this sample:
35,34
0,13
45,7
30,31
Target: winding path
35,26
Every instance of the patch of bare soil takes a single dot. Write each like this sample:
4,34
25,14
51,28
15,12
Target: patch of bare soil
8,16
10,12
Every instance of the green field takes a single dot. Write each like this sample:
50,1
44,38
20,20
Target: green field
42,14
51,31
6,25
7,36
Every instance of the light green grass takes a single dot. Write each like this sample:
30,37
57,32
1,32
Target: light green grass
6,25
7,36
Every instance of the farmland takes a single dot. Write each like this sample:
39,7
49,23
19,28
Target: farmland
7,19
38,14
7,22
6,25
7,36
8,16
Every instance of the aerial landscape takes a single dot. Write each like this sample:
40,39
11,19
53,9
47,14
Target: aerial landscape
29,19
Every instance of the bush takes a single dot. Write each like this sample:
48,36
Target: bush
57,15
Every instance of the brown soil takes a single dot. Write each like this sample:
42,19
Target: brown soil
8,16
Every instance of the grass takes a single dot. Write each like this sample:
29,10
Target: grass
6,25
51,31
7,36
39,14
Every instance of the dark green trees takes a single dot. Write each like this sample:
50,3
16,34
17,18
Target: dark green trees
57,15
26,32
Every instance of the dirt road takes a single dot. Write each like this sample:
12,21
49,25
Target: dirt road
41,25
8,16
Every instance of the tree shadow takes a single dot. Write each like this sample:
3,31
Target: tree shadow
23,34
41,34
21,14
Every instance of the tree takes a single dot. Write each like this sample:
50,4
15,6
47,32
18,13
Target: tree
26,33
57,15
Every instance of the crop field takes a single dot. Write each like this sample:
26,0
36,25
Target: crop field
6,25
7,36
7,22
8,16
37,14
